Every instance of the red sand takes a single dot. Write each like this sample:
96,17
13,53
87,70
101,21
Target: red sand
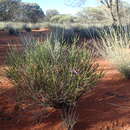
41,30
107,107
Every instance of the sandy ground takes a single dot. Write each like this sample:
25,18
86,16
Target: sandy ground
107,107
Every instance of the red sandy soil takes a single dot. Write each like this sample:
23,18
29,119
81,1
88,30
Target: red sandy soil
107,107
41,30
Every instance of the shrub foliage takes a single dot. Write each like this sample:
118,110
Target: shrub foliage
55,76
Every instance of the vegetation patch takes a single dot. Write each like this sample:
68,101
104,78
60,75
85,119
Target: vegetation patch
52,74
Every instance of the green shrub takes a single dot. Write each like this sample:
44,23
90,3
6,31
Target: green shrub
52,74
62,19
66,19
56,18
57,76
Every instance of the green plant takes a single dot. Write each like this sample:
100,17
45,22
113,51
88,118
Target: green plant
14,55
114,46
53,75
62,19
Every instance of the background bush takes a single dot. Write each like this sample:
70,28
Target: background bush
62,19
114,47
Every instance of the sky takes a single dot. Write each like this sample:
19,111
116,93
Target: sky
61,6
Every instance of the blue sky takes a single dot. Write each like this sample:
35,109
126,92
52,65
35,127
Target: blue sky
60,6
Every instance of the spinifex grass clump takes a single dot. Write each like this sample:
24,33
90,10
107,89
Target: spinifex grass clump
56,76
115,48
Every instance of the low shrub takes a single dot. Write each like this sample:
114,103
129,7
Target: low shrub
60,72
62,19
53,75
